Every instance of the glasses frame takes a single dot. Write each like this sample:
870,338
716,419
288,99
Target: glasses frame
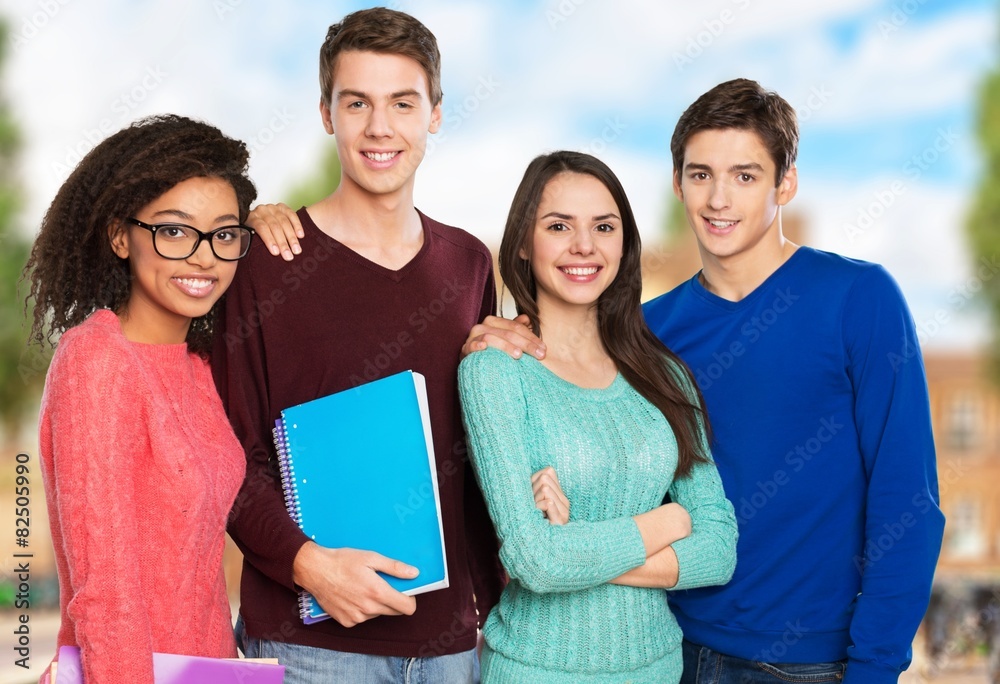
210,235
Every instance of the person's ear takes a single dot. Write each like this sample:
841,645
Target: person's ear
435,119
326,115
118,235
677,186
788,186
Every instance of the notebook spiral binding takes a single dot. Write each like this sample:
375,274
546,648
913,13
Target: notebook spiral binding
287,469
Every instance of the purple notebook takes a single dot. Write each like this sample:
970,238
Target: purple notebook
180,669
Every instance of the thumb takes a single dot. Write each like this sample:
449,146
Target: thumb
393,567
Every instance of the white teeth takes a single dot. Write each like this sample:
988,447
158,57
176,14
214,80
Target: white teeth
380,156
194,284
721,224
581,271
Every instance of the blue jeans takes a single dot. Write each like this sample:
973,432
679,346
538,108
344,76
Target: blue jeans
702,665
310,665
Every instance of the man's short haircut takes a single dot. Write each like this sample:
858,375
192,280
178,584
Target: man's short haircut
384,31
742,104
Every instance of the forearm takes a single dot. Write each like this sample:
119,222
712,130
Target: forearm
260,525
660,571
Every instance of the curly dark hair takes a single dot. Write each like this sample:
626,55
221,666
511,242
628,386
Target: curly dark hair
72,268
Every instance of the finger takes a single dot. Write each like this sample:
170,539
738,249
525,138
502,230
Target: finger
516,332
398,602
292,228
271,233
394,567
497,342
546,470
473,345
552,512
558,514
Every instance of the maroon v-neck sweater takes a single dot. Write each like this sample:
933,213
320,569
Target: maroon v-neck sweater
331,319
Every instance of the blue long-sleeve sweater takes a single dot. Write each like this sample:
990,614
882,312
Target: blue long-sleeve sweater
815,388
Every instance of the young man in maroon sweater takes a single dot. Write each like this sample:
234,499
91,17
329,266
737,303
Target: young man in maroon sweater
377,288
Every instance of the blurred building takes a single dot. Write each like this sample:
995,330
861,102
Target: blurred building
965,406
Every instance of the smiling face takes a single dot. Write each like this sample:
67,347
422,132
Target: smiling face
381,114
731,202
576,243
167,293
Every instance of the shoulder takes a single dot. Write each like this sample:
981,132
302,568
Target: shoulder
830,269
458,239
493,372
660,306
98,337
91,354
490,362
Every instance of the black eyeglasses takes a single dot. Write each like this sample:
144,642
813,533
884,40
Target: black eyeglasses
179,241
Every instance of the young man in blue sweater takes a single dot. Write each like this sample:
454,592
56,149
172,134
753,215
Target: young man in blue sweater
812,375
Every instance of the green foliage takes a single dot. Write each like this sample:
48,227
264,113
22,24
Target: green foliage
325,181
984,220
22,371
676,223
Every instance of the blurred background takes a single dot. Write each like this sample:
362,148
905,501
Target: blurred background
899,106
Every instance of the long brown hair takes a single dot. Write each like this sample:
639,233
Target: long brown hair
642,359
72,268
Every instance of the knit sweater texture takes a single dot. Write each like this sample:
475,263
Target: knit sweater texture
559,620
140,468
293,331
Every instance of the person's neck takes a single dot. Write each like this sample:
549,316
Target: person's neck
574,350
140,322
384,228
734,277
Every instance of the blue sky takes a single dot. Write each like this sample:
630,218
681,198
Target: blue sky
876,83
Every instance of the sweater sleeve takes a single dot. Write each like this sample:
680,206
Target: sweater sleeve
487,573
97,422
259,522
544,558
904,524
707,556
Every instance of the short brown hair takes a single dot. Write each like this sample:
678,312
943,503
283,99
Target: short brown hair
743,104
385,31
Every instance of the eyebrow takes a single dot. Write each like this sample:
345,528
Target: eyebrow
184,216
567,217
348,93
749,166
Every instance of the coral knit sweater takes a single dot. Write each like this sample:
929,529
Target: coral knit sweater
140,468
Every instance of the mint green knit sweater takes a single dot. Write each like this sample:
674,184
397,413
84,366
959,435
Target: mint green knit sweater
559,620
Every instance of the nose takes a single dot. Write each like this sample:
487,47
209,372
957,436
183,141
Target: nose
582,243
719,196
379,125
203,255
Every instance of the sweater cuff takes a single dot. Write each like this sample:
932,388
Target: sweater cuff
862,672
696,567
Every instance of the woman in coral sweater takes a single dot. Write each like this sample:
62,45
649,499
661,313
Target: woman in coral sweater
610,417
139,462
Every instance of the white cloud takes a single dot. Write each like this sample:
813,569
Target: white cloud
253,69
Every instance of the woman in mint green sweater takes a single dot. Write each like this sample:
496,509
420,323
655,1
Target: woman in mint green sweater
610,417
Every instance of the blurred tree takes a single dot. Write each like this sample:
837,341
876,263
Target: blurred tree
984,220
676,224
325,181
22,371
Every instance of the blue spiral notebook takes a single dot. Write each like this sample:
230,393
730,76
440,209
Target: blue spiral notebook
358,471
